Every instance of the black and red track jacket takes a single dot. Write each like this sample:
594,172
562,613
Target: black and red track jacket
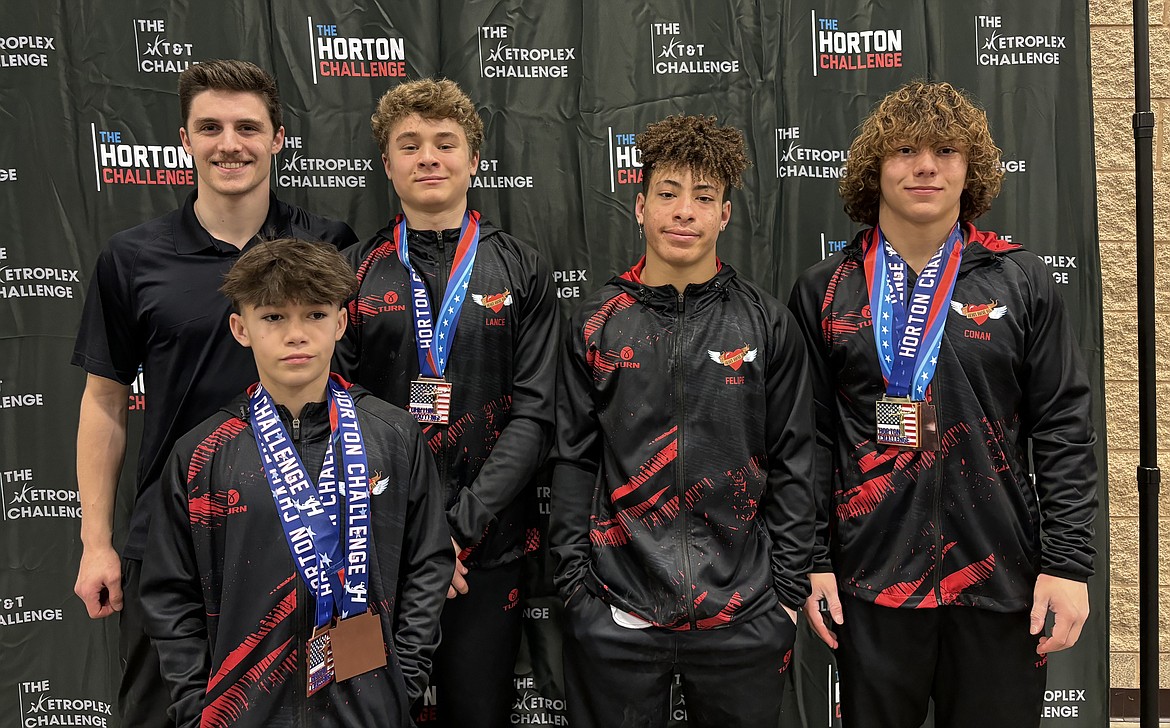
503,370
225,605
965,525
682,485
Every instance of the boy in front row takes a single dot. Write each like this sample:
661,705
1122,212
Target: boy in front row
300,557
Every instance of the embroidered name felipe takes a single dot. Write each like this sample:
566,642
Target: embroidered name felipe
494,302
734,359
979,313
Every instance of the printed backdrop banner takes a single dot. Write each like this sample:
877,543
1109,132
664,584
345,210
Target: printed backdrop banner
89,145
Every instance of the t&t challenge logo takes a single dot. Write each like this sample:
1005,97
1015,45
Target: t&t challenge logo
676,52
158,53
295,167
39,282
997,46
23,498
837,49
501,57
23,51
625,160
489,177
38,707
337,55
795,159
14,401
16,610
119,162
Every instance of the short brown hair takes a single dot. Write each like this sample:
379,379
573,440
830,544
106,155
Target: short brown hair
288,270
711,152
431,99
921,112
229,75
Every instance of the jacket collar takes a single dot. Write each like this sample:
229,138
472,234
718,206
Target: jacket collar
982,246
665,297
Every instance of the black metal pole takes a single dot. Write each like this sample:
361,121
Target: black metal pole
1148,475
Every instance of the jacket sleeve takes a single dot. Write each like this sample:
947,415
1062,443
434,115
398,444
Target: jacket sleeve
525,439
425,570
172,600
789,513
1055,407
347,352
576,464
805,304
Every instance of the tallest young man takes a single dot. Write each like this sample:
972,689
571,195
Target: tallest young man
154,302
456,321
942,354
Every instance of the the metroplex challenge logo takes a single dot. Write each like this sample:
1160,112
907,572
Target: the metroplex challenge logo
838,49
38,707
21,51
794,159
678,53
156,52
625,159
995,47
119,162
24,498
296,167
336,55
35,282
500,58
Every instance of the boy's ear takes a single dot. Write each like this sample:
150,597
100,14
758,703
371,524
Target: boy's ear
342,322
239,330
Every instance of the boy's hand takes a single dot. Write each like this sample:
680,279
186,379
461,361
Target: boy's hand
824,586
1068,600
99,581
458,583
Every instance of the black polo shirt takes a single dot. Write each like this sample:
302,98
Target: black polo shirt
154,302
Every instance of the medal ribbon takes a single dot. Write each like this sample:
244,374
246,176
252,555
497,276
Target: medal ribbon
908,337
309,513
432,336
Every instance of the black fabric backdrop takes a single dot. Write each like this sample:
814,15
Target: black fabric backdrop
89,145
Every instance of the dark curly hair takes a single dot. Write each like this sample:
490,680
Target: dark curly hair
287,270
915,113
695,143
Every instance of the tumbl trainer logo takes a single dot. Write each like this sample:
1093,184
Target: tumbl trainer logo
794,159
117,162
158,53
38,282
38,707
625,160
336,55
837,49
15,610
23,498
676,53
500,57
996,47
295,167
22,51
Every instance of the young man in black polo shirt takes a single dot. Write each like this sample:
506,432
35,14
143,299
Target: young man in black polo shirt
154,303
488,410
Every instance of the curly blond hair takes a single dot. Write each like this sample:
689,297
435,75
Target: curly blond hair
431,99
921,112
696,143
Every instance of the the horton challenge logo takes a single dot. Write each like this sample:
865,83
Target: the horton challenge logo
158,53
997,46
35,282
335,54
22,51
24,498
677,53
625,160
836,48
296,167
796,159
500,57
136,401
830,245
119,162
39,707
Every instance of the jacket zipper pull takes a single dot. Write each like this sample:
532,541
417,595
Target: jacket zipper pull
296,433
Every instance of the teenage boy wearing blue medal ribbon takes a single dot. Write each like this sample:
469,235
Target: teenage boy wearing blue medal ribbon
941,355
456,321
299,552
682,513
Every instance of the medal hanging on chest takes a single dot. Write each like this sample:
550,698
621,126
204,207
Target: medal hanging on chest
434,331
908,337
311,517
